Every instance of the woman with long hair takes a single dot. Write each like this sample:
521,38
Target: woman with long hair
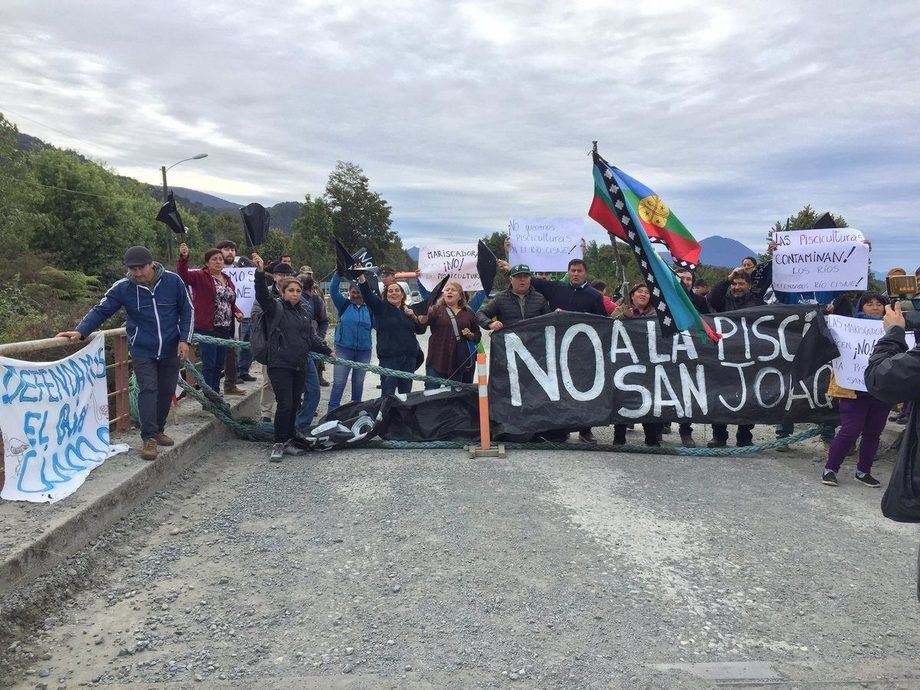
214,301
397,327
453,330
352,341
291,338
636,306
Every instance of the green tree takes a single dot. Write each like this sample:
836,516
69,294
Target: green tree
361,217
311,241
274,246
228,226
19,220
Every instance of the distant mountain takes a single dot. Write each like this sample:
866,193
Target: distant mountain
284,213
206,200
720,251
413,253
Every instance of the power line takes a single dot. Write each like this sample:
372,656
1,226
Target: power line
71,191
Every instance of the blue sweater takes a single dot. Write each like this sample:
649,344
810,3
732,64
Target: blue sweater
355,322
158,317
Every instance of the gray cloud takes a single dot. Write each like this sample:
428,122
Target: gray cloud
464,115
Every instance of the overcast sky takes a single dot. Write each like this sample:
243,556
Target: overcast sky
464,115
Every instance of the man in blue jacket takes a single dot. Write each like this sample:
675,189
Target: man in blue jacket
159,325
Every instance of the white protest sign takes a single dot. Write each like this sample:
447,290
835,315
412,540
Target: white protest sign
54,417
856,339
244,280
545,244
820,260
456,259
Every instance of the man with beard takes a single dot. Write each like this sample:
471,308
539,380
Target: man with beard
234,371
729,295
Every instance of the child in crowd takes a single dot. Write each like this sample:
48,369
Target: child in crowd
860,414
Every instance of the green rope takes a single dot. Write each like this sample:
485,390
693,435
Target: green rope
383,371
252,430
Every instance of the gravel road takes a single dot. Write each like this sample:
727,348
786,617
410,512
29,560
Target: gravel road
424,568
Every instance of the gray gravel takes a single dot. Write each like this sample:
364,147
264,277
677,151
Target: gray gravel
425,568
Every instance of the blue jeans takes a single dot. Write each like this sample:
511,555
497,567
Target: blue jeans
245,359
310,398
212,358
390,384
340,376
429,385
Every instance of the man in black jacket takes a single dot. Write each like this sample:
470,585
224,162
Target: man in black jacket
575,295
733,293
518,302
893,375
728,295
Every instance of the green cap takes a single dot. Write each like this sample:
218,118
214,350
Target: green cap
519,269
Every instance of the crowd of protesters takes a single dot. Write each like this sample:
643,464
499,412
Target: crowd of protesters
164,309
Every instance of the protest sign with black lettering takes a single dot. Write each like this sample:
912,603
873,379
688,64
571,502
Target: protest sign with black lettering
54,417
456,259
244,280
856,338
820,260
570,371
545,244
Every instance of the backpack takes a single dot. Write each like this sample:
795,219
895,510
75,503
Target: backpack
259,332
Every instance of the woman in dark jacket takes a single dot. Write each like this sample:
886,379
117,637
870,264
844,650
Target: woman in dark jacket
397,326
214,301
453,328
290,339
637,305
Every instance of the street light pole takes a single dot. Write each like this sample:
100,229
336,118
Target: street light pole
163,169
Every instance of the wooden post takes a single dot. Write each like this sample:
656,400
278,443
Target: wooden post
122,400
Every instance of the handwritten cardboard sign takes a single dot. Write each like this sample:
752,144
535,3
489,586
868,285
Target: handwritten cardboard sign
545,244
820,260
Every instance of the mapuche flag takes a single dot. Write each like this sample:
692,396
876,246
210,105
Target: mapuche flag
660,224
617,208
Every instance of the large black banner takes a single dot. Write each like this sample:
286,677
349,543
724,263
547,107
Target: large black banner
570,371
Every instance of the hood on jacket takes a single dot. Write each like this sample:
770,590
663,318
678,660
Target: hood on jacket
158,273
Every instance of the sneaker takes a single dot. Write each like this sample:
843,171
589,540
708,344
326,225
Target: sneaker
587,437
686,440
150,451
265,419
290,448
277,452
717,443
233,390
743,444
901,420
829,477
782,449
163,440
247,377
868,480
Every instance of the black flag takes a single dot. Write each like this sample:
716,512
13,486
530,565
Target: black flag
421,308
256,220
344,261
169,216
487,266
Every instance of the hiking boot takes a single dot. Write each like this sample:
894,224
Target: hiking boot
163,440
717,443
587,437
233,390
686,440
868,480
829,477
277,453
247,377
150,451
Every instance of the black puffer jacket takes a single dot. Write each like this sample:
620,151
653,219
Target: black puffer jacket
722,300
509,308
290,330
893,375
